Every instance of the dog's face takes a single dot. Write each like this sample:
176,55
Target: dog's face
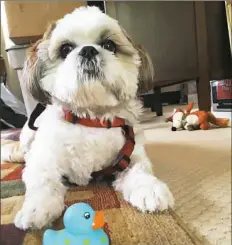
87,61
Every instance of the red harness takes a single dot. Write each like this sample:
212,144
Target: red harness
122,160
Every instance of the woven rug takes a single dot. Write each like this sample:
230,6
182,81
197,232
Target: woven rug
125,224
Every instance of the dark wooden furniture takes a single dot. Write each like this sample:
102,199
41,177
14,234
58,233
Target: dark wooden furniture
186,41
2,66
2,70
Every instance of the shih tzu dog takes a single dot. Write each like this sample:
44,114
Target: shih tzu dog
85,67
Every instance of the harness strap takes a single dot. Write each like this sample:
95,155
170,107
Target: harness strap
122,160
96,123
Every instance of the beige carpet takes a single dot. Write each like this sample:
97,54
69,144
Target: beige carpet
197,167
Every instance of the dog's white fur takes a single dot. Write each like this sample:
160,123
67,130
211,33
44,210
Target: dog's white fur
60,148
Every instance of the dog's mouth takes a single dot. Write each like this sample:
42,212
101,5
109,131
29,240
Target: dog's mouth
90,68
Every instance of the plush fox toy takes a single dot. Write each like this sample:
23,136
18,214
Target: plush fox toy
178,117
195,120
203,119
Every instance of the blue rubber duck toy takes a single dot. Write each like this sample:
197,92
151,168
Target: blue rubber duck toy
83,226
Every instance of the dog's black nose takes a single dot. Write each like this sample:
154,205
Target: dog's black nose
173,128
88,52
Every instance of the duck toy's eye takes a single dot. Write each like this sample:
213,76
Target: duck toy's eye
87,215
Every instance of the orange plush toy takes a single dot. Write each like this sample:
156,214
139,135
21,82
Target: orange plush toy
195,120
203,119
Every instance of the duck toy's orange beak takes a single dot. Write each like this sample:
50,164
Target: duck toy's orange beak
98,221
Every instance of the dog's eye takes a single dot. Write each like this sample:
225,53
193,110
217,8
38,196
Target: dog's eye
87,215
109,45
65,49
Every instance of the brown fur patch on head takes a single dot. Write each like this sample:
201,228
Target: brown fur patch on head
34,68
146,69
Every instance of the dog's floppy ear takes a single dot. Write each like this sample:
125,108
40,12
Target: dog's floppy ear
146,69
34,69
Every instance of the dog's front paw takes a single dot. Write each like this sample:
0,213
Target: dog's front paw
36,215
151,195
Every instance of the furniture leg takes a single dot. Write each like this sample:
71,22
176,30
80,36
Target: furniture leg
157,103
203,81
203,93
